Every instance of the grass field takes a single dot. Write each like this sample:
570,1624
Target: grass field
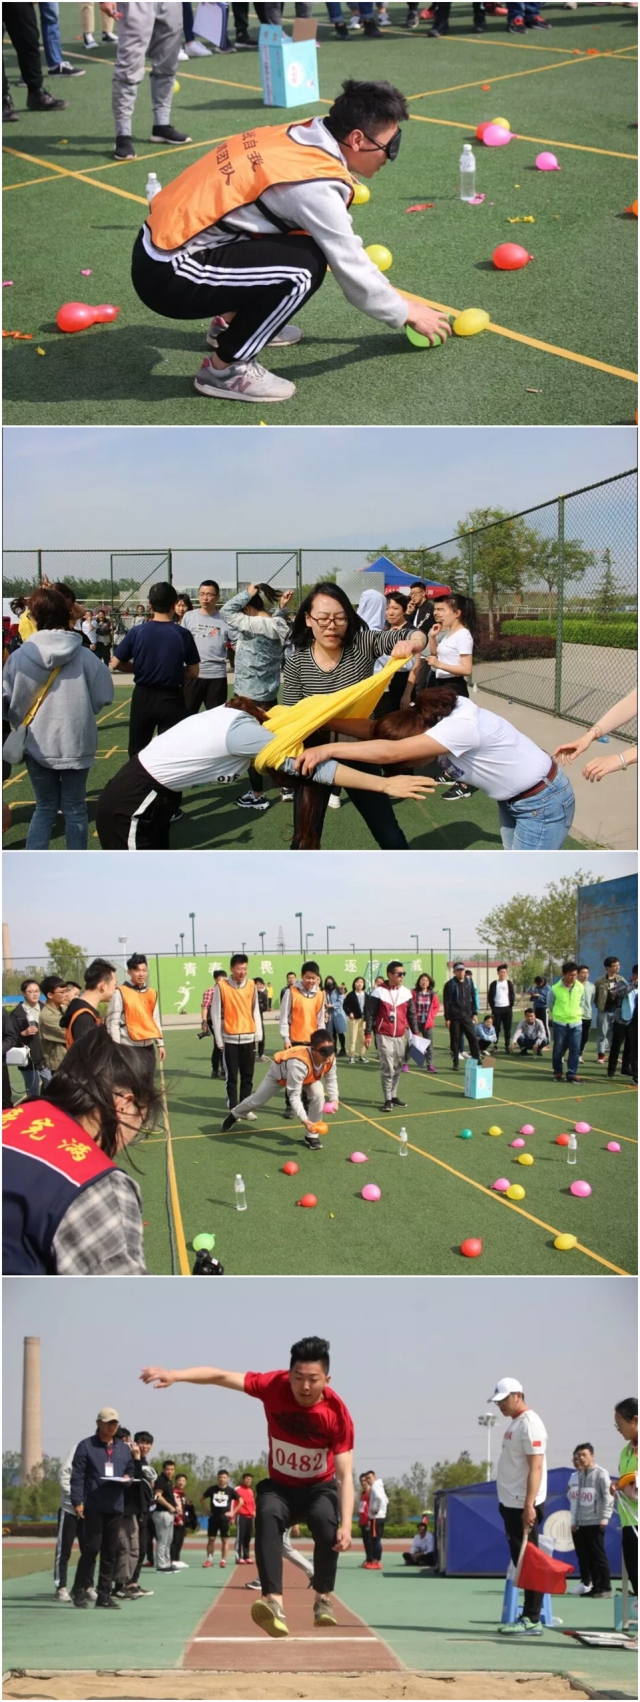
212,821
563,341
431,1201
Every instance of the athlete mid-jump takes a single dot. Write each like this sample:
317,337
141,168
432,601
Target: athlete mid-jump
310,1469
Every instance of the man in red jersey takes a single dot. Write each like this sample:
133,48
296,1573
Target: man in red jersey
310,1469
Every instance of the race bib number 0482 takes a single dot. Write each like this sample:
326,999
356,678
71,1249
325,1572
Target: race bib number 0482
293,1462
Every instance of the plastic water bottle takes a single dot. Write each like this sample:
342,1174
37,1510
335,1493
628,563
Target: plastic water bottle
572,1149
239,1191
153,187
467,173
404,1143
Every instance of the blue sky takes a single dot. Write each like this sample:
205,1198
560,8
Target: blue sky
185,487
414,1358
92,900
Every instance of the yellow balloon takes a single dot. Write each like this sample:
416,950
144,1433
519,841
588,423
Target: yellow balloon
361,194
503,122
494,1130
525,1158
382,257
176,87
564,1243
473,319
515,1192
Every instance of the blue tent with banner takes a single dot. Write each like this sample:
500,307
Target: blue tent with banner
395,577
470,1535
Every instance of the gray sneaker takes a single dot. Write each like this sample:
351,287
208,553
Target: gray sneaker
243,381
284,338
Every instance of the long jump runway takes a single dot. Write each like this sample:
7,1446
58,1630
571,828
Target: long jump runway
227,1640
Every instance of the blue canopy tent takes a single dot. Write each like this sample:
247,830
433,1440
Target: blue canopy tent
395,577
470,1536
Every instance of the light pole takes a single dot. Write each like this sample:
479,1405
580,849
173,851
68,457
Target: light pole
192,919
487,1420
415,937
330,930
262,943
123,940
448,931
176,951
299,917
307,938
182,945
353,947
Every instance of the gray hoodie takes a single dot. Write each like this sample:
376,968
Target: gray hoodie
63,733
590,1498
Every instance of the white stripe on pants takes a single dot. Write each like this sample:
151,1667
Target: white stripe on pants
272,1085
163,1526
152,29
391,1050
250,276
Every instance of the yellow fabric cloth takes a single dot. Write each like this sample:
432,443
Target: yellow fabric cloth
292,724
26,625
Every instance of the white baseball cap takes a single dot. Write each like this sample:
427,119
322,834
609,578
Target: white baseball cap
506,1386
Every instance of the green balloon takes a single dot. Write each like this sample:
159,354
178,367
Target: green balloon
423,342
466,1134
203,1243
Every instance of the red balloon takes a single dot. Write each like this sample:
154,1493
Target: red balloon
105,313
78,316
290,1169
510,256
471,1248
481,129
562,1140
308,1200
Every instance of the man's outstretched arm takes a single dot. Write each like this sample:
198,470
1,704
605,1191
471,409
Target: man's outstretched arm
163,1379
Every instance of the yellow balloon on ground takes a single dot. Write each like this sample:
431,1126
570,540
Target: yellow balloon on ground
381,256
494,1130
473,319
503,122
515,1192
564,1243
525,1158
361,194
176,87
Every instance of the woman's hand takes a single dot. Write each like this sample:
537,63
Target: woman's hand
408,786
575,747
155,1374
601,765
309,760
429,321
285,598
251,591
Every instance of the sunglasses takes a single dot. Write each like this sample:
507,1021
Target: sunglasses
391,148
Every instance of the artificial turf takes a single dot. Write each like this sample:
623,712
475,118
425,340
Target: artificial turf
426,1210
573,91
212,820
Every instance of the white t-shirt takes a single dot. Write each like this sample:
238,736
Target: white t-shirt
524,1436
489,752
423,1544
210,633
501,993
210,749
452,646
378,1500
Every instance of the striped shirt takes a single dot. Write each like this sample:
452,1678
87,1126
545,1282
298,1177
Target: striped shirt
303,678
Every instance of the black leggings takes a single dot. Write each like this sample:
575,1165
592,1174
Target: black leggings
179,1534
134,811
375,1538
21,26
630,1552
244,1534
239,1059
376,810
280,1505
152,710
513,1524
502,1019
265,281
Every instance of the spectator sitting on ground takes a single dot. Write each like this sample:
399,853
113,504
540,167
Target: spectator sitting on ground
422,1550
530,1035
485,1033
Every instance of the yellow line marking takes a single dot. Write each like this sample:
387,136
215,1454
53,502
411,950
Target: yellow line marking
498,1199
29,182
110,165
576,147
183,1257
509,76
80,177
531,342
555,1115
21,776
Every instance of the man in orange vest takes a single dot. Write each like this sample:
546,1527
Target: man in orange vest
312,1067
247,232
133,1017
82,1015
236,1021
302,1011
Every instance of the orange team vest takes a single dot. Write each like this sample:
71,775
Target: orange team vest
237,1006
69,1033
303,1021
138,1013
303,1053
233,175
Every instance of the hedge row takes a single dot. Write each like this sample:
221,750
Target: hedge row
515,649
619,635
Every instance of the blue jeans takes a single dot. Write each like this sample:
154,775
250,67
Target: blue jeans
50,26
525,12
34,1081
566,1036
525,1045
57,789
540,823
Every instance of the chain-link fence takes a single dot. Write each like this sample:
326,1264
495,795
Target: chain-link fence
555,588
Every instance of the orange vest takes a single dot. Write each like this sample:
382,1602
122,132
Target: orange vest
69,1028
139,1006
303,1053
305,1012
237,1005
236,174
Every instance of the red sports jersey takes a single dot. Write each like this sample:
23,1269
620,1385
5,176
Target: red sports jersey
247,1503
303,1441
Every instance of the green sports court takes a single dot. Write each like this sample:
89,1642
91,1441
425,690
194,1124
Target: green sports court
561,345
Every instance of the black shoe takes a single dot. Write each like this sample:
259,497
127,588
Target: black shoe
558,1077
371,28
402,1102
456,792
166,133
479,29
341,31
229,1122
388,1107
288,1114
121,1593
601,1595
435,34
455,1066
243,39
64,69
9,114
39,101
216,1076
108,1602
124,149
516,29
539,24
80,1600
313,1142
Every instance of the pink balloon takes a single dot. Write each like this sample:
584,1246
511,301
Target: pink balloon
547,162
581,1189
527,1129
613,1146
359,1158
500,1187
371,1192
582,1128
329,1107
516,1143
495,136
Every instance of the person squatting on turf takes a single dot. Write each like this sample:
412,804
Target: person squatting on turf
133,1013
459,1014
310,1478
530,1035
297,1068
237,1024
389,1012
223,1502
521,1482
591,1504
246,234
422,1550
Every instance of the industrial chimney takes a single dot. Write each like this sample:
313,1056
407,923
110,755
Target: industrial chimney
31,1408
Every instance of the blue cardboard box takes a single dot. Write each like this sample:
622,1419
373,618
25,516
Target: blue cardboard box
289,64
478,1080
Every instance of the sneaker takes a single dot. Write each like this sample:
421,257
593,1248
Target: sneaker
140,1592
352,1061
228,1123
39,101
286,795
372,1566
334,801
288,1114
120,1592
252,801
354,25
383,21
455,793
197,50
89,42
242,381
601,1060
581,1590
108,1602
521,1628
251,1116
402,1102
323,1613
81,1599
243,39
181,56
389,1106
558,1077
431,1070
253,1584
371,29
575,1078
405,1070
62,1595
91,1594
601,1595
538,24
9,114
124,149
166,133
223,1563
313,1142
270,1616
64,69
284,338
342,31
516,28
109,37
132,1592
411,23
229,47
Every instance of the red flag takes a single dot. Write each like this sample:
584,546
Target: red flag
539,1571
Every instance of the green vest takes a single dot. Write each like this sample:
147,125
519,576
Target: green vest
567,1003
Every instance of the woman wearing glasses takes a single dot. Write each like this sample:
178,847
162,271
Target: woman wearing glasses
332,648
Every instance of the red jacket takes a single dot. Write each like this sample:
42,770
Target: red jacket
390,1011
